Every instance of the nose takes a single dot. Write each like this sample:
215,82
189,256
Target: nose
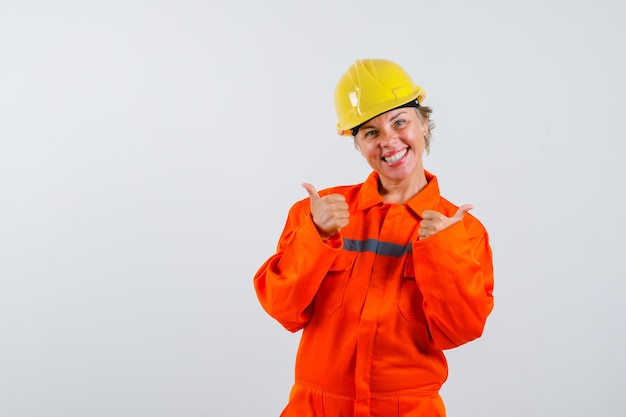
387,137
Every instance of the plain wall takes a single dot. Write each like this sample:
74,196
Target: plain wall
150,150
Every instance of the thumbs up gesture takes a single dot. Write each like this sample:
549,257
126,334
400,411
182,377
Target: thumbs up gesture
434,222
330,213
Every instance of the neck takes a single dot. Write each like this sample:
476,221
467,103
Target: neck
399,192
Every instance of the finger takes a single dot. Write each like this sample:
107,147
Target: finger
339,205
426,230
335,198
341,223
460,213
341,215
430,214
313,195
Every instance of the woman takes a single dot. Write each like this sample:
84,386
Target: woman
381,276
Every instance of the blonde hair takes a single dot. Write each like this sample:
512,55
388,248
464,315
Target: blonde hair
424,113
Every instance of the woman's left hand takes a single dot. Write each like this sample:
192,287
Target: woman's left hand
434,222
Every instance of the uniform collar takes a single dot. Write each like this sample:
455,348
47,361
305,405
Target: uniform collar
426,199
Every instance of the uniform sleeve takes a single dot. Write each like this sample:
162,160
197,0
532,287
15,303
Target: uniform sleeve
454,271
287,282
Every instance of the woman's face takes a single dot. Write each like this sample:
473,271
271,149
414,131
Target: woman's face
393,144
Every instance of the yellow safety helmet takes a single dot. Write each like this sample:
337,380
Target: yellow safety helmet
371,87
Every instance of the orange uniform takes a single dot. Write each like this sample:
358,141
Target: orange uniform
377,306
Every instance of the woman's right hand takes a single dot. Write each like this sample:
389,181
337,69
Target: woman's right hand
330,213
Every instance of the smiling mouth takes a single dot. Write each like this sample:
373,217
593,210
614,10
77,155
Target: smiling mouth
395,157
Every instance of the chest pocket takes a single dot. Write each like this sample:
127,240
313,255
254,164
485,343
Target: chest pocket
411,300
330,294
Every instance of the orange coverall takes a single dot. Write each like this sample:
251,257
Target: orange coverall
377,305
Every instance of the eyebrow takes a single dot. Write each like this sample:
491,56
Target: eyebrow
397,115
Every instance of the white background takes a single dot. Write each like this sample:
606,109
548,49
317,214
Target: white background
150,150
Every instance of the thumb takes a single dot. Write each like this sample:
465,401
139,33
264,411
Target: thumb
460,213
313,195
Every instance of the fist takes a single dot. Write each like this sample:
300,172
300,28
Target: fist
330,213
434,222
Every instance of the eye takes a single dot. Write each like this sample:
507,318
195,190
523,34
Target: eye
369,134
399,123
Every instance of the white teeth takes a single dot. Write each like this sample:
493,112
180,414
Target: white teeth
396,157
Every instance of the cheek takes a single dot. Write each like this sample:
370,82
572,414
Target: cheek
423,127
421,143
365,150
